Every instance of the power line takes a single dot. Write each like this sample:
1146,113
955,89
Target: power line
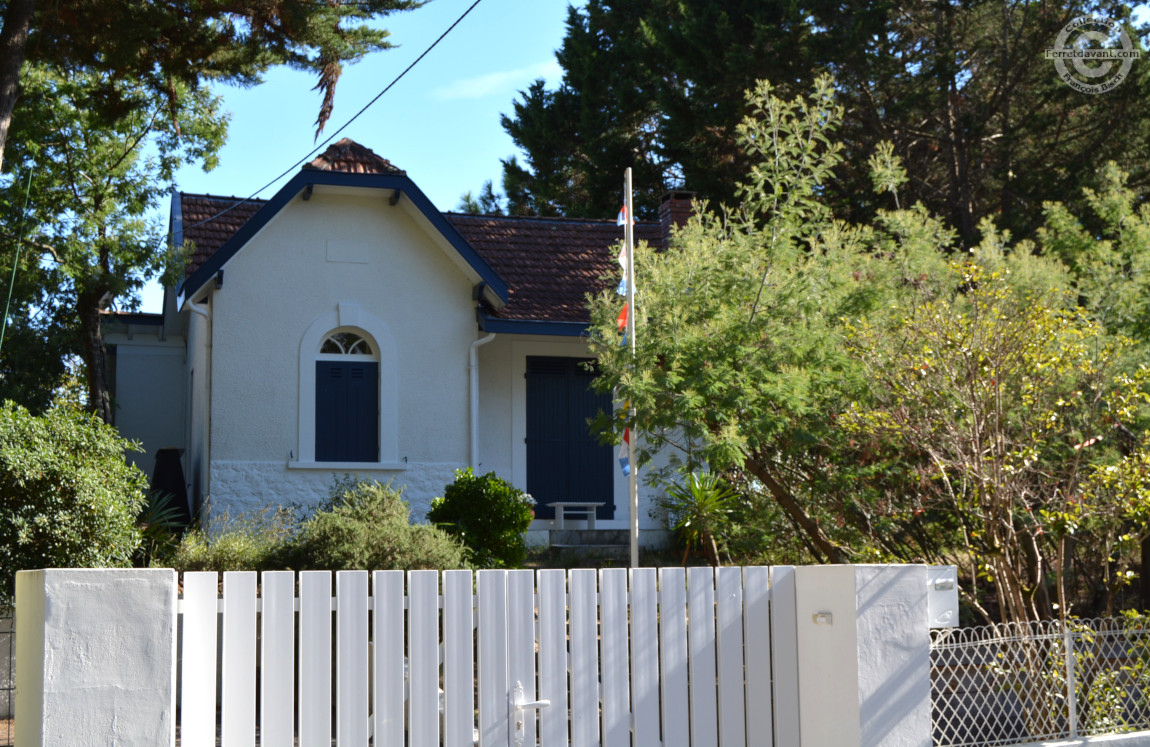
343,127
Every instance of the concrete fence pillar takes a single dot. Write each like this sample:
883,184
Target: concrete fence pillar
96,657
863,642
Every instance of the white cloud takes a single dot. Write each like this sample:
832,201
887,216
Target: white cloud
501,82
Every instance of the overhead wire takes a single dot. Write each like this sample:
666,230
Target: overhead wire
342,127
16,260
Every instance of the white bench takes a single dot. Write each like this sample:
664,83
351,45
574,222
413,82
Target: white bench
566,509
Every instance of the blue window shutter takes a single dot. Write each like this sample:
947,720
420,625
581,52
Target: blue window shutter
346,411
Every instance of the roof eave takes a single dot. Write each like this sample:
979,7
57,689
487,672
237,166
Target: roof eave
488,323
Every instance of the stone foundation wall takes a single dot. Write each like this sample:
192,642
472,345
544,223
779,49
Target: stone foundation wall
243,486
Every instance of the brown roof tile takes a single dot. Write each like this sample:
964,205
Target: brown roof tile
550,264
350,157
210,220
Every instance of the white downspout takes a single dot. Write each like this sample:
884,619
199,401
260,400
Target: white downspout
473,375
206,458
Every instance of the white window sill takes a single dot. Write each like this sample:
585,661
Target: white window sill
350,466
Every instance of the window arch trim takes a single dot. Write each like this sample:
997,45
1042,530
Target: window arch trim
348,317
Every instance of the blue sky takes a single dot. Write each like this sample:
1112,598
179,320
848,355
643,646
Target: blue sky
440,123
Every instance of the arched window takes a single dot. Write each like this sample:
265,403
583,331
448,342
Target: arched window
333,428
346,398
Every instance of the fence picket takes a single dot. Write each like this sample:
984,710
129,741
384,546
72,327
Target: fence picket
673,656
757,659
784,655
615,709
458,659
198,683
315,659
701,656
584,663
387,656
729,656
351,658
423,657
645,656
521,665
493,686
553,657
238,683
277,659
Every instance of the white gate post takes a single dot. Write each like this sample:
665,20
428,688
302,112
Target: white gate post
864,655
96,657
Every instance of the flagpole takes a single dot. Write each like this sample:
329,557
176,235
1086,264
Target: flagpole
632,474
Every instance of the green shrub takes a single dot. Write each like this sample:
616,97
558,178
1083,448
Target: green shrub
489,515
256,541
67,496
367,525
699,511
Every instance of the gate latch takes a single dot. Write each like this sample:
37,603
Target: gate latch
515,706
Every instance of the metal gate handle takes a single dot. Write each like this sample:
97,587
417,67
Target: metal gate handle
516,703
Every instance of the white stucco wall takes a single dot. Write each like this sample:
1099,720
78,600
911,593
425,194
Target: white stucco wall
96,663
350,248
863,645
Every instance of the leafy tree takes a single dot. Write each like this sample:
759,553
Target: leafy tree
173,49
962,90
739,363
67,496
92,186
1010,399
1107,252
847,378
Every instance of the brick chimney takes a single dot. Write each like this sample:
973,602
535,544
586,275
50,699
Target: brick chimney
674,210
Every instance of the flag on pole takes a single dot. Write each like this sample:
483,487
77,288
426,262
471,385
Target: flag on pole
625,452
621,219
622,289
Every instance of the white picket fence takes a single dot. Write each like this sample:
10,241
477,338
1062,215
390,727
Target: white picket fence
612,657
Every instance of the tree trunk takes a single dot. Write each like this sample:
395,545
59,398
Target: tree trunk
13,44
788,503
90,304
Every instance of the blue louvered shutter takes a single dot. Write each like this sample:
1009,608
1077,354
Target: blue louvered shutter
347,411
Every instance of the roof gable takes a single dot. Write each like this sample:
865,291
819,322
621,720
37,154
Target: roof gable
541,268
210,257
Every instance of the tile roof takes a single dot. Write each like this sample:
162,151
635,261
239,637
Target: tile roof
210,220
350,157
550,264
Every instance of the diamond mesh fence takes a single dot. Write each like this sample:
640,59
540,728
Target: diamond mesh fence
1013,683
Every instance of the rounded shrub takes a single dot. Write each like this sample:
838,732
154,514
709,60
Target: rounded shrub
489,515
367,525
67,496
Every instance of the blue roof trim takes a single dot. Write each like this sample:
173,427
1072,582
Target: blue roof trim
207,271
532,327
